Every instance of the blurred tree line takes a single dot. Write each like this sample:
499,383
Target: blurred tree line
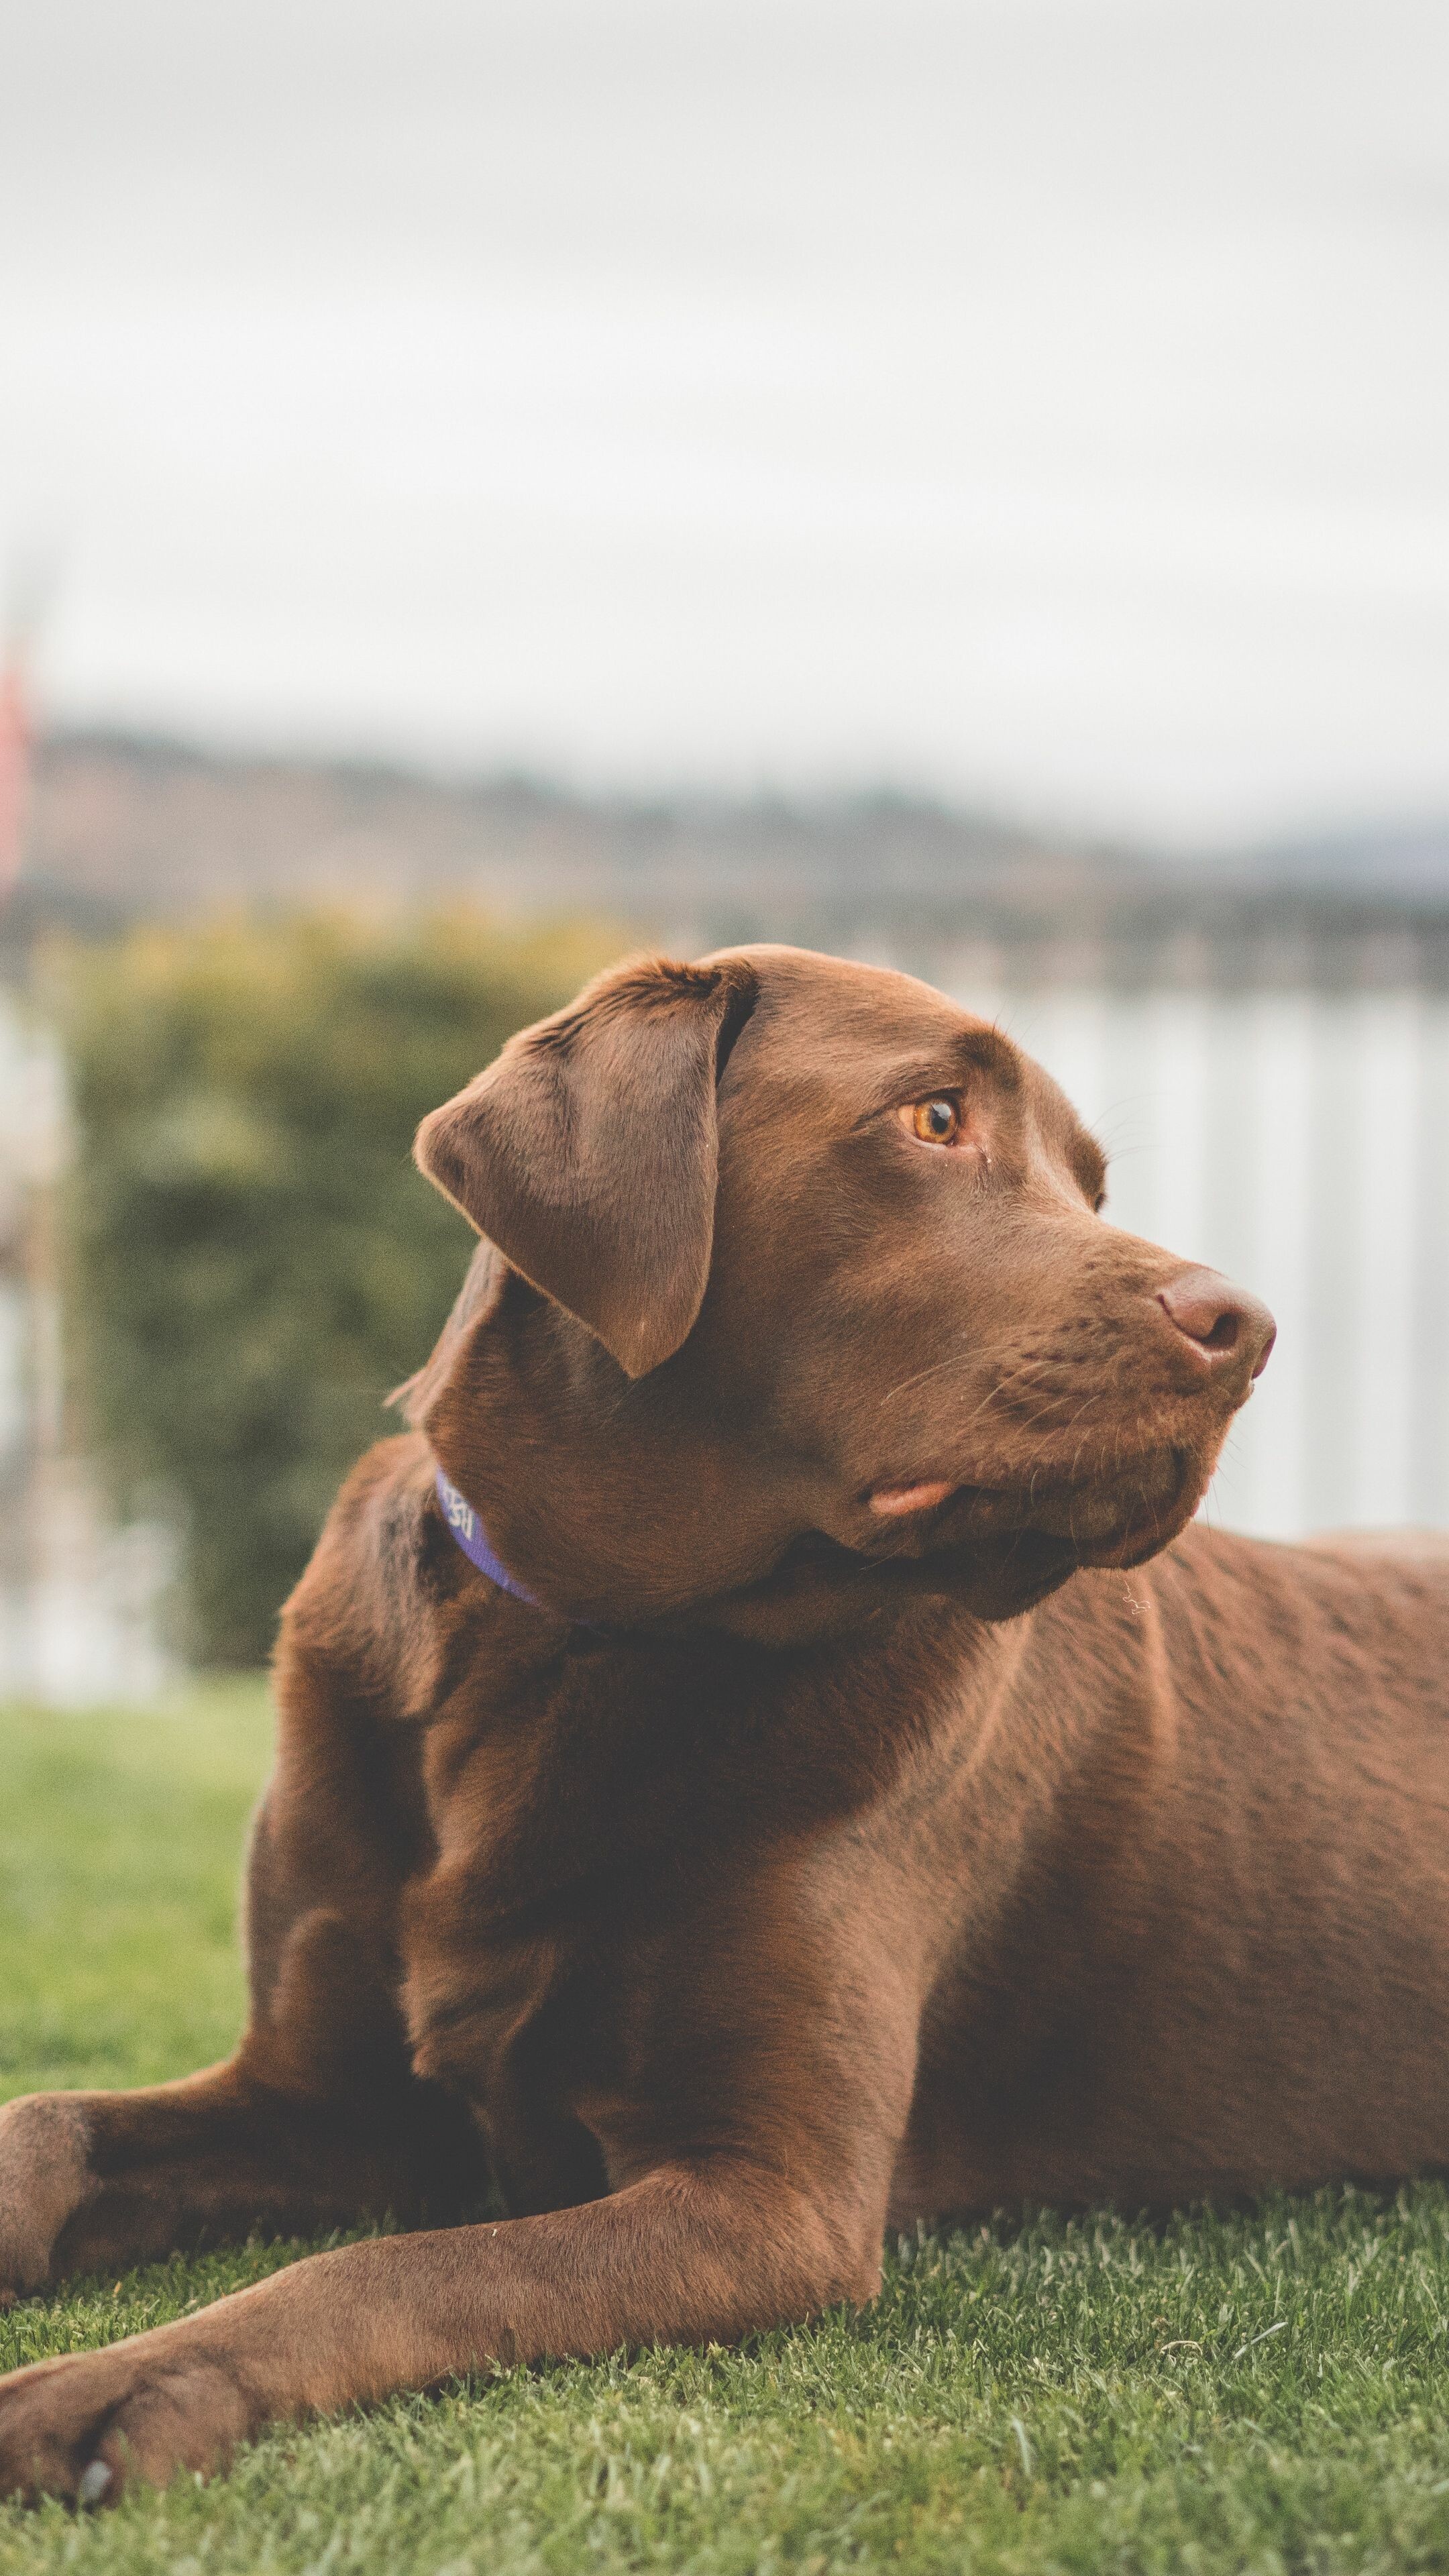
252,1260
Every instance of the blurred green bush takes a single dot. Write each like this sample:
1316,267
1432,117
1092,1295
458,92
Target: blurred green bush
251,1260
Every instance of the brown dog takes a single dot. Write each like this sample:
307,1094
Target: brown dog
853,1826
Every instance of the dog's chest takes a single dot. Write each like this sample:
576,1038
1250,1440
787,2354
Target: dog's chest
508,1939
492,2004
613,1934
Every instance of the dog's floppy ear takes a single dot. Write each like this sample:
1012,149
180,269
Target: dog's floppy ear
588,1152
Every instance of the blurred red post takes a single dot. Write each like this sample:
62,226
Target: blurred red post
16,735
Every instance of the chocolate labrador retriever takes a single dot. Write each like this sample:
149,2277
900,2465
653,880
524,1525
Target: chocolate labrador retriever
765,1758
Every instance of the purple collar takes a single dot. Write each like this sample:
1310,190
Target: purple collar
472,1538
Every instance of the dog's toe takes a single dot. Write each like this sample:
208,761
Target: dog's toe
88,2426
45,2178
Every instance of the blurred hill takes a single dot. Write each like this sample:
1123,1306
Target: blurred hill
124,828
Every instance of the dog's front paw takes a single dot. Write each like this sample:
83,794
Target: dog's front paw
90,2424
45,2177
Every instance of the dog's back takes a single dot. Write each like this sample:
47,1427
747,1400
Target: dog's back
1223,1961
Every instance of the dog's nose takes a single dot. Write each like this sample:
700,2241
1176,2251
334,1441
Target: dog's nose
1224,1321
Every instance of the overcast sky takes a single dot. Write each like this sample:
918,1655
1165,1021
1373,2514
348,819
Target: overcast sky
1041,400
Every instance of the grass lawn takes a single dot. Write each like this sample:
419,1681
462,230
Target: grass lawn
1258,2392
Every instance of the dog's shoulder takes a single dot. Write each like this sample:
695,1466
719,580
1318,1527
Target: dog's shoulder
383,1565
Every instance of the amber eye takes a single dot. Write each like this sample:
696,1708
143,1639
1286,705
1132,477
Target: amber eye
936,1121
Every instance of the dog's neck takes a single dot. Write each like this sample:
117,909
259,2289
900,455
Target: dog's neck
606,1501
598,1493
646,1503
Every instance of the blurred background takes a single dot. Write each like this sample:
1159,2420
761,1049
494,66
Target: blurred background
964,483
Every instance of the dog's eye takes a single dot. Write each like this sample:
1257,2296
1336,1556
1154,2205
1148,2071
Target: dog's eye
937,1121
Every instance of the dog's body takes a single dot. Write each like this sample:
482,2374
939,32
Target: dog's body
865,1830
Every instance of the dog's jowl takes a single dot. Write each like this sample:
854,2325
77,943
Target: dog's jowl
765,1756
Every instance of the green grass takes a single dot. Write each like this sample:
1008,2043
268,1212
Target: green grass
1251,2392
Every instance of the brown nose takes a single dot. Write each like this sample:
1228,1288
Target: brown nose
1224,1321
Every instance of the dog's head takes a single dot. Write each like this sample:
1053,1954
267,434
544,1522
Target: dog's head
800,1263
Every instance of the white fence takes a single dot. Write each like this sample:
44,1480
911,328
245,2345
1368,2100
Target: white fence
1295,1136
79,1598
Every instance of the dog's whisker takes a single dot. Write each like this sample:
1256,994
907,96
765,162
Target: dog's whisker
973,1358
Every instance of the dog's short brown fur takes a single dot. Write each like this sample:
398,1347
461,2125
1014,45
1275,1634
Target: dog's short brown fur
896,1810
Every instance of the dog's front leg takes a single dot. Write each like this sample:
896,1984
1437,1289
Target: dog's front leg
689,2253
111,2179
